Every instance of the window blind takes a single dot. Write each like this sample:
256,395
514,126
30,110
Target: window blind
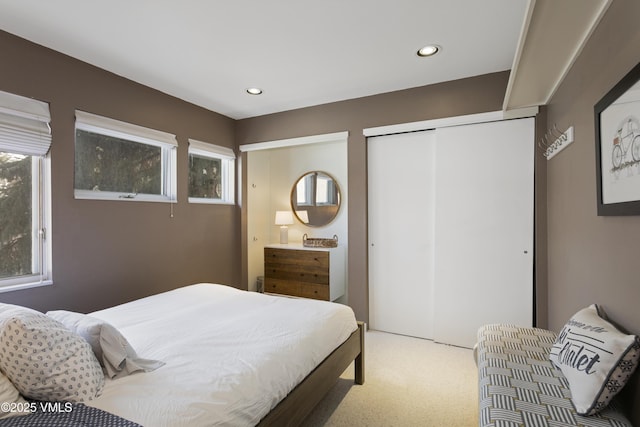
211,149
24,125
106,126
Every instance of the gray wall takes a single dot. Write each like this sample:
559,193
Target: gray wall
460,97
109,252
592,259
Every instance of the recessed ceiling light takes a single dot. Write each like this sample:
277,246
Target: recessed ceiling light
254,91
429,50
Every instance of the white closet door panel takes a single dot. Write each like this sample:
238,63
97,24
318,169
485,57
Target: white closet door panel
484,228
401,197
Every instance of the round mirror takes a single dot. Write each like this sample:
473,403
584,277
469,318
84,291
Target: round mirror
315,199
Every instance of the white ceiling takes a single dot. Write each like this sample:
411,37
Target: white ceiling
300,52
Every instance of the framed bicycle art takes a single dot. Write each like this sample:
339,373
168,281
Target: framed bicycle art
617,123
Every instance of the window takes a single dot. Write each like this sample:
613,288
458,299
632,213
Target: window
121,161
304,190
326,193
25,245
211,173
316,189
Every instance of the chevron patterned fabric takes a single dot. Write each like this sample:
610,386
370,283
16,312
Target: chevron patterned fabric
519,386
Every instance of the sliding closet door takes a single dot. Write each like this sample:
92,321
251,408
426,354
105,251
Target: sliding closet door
484,228
401,209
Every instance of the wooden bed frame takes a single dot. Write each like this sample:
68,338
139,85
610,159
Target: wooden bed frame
294,408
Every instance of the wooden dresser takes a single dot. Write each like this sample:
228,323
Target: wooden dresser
292,269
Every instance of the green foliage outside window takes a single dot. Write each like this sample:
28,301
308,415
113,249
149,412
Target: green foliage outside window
205,177
15,215
106,163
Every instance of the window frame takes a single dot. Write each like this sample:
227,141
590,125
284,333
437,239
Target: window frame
167,142
227,165
25,130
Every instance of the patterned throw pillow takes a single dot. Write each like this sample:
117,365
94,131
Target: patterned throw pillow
45,360
596,359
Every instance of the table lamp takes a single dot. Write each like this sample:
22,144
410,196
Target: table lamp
284,218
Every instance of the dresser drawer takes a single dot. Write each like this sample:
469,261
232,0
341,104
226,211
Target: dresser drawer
305,290
297,273
319,259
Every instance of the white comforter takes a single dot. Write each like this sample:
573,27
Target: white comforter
230,355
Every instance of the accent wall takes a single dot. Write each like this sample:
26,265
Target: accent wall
109,252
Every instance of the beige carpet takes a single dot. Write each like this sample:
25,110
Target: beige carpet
408,382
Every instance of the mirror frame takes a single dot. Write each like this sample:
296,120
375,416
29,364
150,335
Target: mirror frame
295,208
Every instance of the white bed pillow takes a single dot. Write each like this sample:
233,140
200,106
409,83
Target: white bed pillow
111,348
596,359
44,360
11,403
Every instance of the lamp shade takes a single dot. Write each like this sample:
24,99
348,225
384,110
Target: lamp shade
284,218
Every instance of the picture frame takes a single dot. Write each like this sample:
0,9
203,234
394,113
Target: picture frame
617,135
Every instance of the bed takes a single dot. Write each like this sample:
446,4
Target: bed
228,357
